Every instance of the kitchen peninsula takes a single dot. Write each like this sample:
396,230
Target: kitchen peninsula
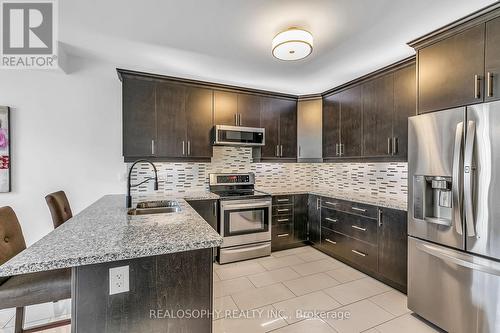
169,259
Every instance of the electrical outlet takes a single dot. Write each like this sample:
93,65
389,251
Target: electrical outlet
118,280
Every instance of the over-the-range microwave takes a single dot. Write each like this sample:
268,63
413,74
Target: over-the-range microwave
223,135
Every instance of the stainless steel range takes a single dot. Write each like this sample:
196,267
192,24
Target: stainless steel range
245,217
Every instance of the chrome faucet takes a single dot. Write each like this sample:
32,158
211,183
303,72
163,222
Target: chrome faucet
129,197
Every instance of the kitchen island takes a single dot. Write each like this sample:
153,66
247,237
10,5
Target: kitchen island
169,259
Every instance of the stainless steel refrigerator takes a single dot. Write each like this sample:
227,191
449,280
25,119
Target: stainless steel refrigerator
454,218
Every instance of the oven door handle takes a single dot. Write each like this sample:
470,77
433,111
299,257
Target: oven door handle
249,205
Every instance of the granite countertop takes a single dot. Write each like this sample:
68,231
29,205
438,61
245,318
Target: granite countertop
376,199
104,232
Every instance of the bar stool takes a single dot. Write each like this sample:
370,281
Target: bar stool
28,289
59,208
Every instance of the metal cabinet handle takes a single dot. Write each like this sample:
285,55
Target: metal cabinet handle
283,235
283,200
283,220
358,228
489,84
331,220
281,150
389,146
456,186
318,201
153,148
283,210
215,208
336,149
330,241
379,219
468,175
359,253
394,146
189,147
477,86
277,151
331,203
183,148
358,209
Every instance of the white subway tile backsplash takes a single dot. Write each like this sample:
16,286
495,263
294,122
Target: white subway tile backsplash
389,179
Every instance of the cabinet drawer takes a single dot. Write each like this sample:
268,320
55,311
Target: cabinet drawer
331,203
283,219
330,219
282,230
283,199
282,210
361,209
362,253
333,242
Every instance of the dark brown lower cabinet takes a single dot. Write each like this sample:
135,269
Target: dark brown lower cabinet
207,209
159,287
368,238
289,221
392,246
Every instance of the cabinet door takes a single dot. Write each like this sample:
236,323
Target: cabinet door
331,125
447,68
139,120
171,119
392,246
378,105
350,121
300,217
492,60
207,209
225,107
288,128
199,119
405,101
314,219
270,117
249,110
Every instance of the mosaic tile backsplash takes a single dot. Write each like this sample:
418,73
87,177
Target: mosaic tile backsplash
389,179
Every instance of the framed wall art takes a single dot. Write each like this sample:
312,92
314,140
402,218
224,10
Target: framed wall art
5,185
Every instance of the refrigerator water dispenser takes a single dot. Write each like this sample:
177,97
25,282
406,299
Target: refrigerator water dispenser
432,199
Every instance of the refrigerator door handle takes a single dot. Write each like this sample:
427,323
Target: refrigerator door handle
457,179
468,177
488,267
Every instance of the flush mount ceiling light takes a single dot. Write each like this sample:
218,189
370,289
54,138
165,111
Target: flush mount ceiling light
292,44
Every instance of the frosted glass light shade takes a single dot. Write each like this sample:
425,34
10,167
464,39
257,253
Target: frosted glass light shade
292,44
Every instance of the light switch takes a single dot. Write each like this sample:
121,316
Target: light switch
119,280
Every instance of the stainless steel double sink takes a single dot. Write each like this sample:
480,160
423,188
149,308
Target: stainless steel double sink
155,207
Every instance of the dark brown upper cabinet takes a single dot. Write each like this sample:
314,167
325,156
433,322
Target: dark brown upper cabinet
492,60
226,108
139,118
171,119
165,120
405,97
378,109
249,108
331,126
451,71
279,118
342,124
199,121
350,122
237,109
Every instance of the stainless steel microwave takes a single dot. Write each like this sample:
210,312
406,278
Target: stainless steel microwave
223,135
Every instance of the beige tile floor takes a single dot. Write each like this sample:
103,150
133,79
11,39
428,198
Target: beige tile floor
292,291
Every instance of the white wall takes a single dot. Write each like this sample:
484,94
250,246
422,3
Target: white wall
65,134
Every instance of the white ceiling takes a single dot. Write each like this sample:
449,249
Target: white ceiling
229,41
